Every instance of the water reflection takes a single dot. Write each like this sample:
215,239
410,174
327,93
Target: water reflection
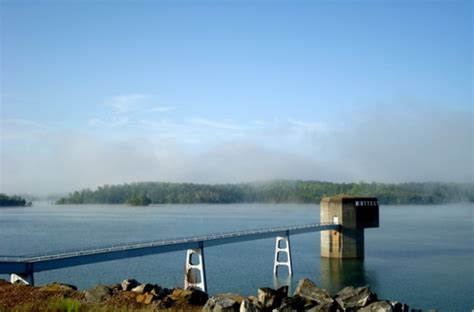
282,281
337,274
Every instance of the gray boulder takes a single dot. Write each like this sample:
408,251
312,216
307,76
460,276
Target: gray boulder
270,298
310,306
309,290
248,306
399,306
350,298
165,303
191,296
143,288
58,287
378,306
283,308
116,289
283,291
129,284
160,292
140,289
295,303
98,293
323,307
267,297
198,297
222,303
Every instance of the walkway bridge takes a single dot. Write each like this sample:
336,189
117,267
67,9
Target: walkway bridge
22,268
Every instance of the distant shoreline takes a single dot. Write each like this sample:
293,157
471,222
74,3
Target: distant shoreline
13,201
245,203
274,192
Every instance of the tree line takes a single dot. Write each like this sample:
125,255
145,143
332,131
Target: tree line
10,201
270,192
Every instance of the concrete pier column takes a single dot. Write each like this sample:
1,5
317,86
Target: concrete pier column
282,246
27,279
195,273
354,214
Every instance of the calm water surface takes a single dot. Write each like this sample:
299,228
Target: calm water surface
422,255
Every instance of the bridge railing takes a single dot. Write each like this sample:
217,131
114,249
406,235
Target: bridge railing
147,244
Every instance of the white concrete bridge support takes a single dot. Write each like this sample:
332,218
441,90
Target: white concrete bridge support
27,279
190,279
279,250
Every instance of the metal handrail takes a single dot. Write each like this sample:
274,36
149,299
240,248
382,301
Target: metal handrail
148,244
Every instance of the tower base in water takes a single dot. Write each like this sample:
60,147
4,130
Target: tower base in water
354,214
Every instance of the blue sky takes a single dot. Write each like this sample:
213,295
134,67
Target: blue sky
229,91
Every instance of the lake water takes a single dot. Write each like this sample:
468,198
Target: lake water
421,255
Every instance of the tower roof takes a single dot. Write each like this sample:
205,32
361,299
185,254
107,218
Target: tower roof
344,197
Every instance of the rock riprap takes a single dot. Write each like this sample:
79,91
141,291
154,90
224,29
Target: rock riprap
131,294
350,298
98,293
224,303
307,289
129,284
58,287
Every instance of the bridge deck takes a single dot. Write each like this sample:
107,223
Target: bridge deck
48,261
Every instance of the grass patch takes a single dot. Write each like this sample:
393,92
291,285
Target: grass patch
64,305
53,305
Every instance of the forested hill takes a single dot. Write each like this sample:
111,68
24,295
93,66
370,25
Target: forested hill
13,201
272,192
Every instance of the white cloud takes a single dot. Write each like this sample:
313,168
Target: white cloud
135,103
128,103
300,125
127,109
162,109
397,145
110,124
389,147
214,124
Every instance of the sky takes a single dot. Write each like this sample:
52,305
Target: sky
108,92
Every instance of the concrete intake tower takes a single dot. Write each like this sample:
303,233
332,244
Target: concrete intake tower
354,214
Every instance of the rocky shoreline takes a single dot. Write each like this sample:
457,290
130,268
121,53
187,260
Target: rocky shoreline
131,295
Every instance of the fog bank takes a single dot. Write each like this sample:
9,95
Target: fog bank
407,145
